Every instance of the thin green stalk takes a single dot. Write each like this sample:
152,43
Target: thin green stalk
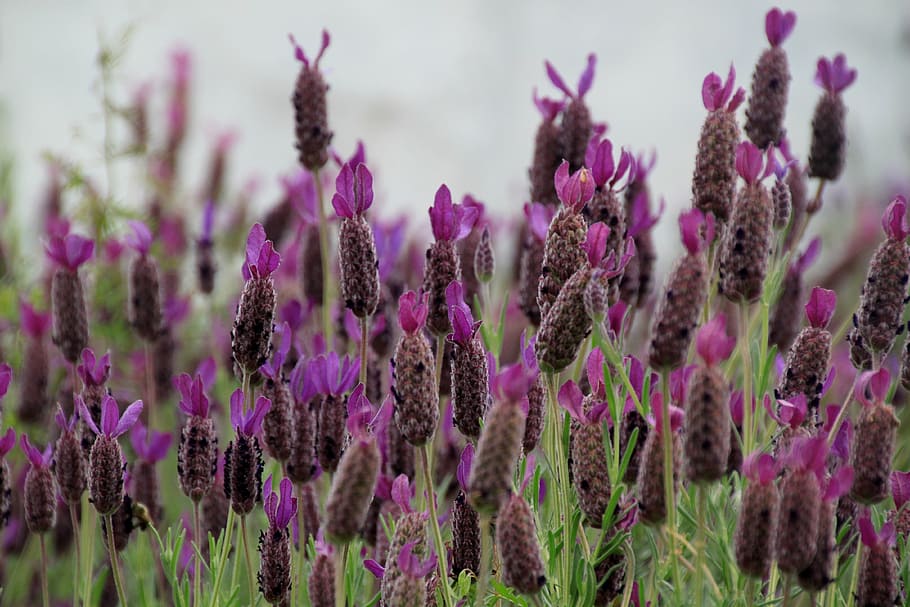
786,585
197,559
486,555
669,488
324,253
747,378
364,324
630,572
443,572
341,559
115,564
150,395
45,595
249,560
77,558
247,391
854,578
301,546
750,592
700,543
225,548
89,536
558,462
440,357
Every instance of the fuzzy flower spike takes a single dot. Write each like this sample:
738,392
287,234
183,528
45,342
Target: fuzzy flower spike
537,223
770,83
707,438
881,307
563,253
547,151
251,335
106,461
820,572
274,542
40,499
807,361
7,442
357,249
684,294
652,504
151,447
334,377
747,241
243,455
450,223
577,126
69,463
311,123
873,439
144,310
758,514
714,180
470,387
829,136
878,568
413,365
34,400
197,453
800,504
70,332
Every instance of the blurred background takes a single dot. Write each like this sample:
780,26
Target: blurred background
437,95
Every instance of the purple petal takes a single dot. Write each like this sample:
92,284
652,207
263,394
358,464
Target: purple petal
237,416
616,316
561,176
690,224
85,415
679,383
34,323
7,442
539,217
128,418
141,238
595,243
375,568
254,242
288,506
710,87
571,398
344,184
512,383
736,407
724,95
867,531
269,500
268,260
254,418
6,376
839,484
137,440
894,221
587,76
360,412
548,108
158,446
601,162
712,343
779,25
626,164
748,161
35,457
459,314
760,467
464,466
900,486
78,250
595,370
809,255
810,454
402,492
442,215
820,307
577,190
341,206
412,311
110,415
556,79
364,183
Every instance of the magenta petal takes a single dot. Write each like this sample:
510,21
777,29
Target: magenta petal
35,457
110,415
342,209
6,376
748,161
570,398
360,412
78,250
344,185
900,486
364,184
760,467
601,162
464,466
34,323
809,255
412,312
690,224
820,307
894,221
710,87
587,76
7,442
254,242
268,260
879,384
736,407
375,568
839,484
779,25
595,243
539,218
86,416
594,367
556,79
288,506
402,492
512,383
141,238
442,215
867,531
616,316
561,177
626,163
128,418
679,383
255,417
466,216
237,408
269,500
712,343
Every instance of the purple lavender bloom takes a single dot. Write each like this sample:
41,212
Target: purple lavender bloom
760,468
712,343
70,251
884,537
248,422
690,224
413,311
820,307
355,191
463,324
411,565
6,376
749,162
37,458
279,510
272,368
779,25
451,222
894,220
301,56
573,190
151,446
261,257
599,157
571,399
113,424
334,375
834,76
93,371
35,324
140,240
584,82
193,401
716,94
549,108
7,442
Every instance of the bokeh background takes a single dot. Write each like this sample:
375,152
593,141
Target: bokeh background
439,93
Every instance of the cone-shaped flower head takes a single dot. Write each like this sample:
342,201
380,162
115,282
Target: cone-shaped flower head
415,390
576,127
197,453
70,317
873,439
252,329
516,539
652,506
829,138
333,377
547,150
144,309
819,573
757,523
243,456
878,575
69,463
807,360
800,503
357,249
770,83
311,123
34,401
274,543
40,499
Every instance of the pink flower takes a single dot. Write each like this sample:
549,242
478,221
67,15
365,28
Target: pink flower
279,510
36,458
779,25
599,157
411,565
463,326
413,311
712,343
760,468
834,76
140,239
838,484
900,488
112,423
464,467
876,383
894,221
451,222
749,162
716,94
151,447
690,226
70,251
334,375
92,371
248,422
886,537
193,401
7,442
549,108
272,368
34,323
571,399
820,307
539,217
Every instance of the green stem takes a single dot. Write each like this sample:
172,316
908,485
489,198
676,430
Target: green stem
434,525
558,463
324,253
700,543
630,572
197,560
364,324
854,578
247,391
90,520
249,561
786,585
222,558
750,592
747,378
45,595
486,555
440,358
150,395
301,546
341,558
115,564
669,488
77,559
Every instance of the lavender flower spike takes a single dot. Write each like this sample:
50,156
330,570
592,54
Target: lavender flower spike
356,244
251,335
829,138
40,502
248,422
113,424
274,543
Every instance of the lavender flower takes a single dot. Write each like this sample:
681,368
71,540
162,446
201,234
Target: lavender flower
251,334
873,439
829,138
106,462
770,82
637,281
576,127
40,502
878,576
516,539
547,152
243,456
69,463
356,247
470,390
410,527
714,181
652,506
333,377
820,571
301,463
807,360
413,366
197,453
151,447
144,310
538,217
756,527
33,385
311,122
205,253
70,332
800,503
274,543
277,427
465,521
